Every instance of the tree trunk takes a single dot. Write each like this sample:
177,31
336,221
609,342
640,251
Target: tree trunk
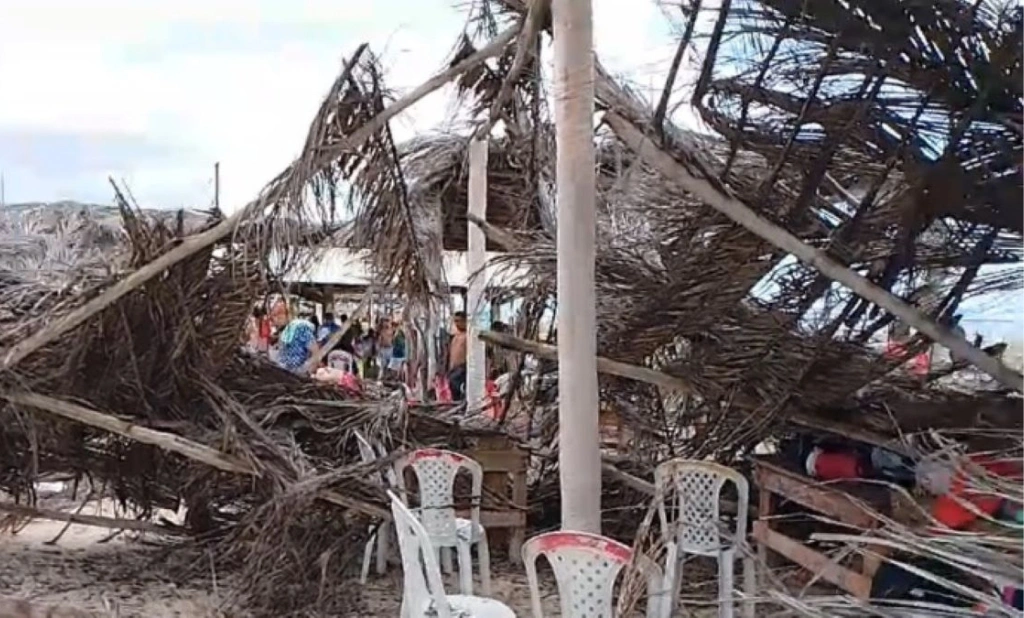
579,445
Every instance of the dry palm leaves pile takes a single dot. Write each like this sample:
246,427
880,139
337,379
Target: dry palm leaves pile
271,477
885,134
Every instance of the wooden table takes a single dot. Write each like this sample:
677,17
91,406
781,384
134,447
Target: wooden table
847,502
505,502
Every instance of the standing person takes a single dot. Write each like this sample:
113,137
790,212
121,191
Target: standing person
328,328
258,331
296,340
385,341
457,358
399,352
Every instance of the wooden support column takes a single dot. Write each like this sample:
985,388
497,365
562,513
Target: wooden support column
476,257
578,437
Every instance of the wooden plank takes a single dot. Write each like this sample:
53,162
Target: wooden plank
500,461
497,519
822,566
835,504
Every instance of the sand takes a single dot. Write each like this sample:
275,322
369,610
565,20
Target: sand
87,571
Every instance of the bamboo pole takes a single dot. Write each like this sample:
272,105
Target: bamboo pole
113,523
167,441
170,442
671,382
579,465
193,244
476,257
692,180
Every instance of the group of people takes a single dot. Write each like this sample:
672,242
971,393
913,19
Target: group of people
297,342
303,345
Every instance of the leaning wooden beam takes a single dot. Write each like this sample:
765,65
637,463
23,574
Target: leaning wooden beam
167,441
335,338
114,523
604,365
193,244
664,380
533,22
691,177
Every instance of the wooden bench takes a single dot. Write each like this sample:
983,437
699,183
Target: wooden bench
850,503
505,502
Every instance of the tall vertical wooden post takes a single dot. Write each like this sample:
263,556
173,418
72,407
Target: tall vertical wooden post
579,440
216,185
476,257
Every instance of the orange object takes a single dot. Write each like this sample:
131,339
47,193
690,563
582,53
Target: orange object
837,466
920,364
496,407
442,390
950,511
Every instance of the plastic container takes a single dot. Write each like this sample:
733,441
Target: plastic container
834,466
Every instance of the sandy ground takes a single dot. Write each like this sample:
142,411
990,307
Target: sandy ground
86,570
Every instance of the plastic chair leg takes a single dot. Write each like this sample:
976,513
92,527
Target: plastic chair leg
367,556
465,568
725,583
677,581
446,560
484,552
383,544
749,587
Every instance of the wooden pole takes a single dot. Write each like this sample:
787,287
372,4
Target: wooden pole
692,180
670,382
476,256
193,244
579,438
177,444
113,523
216,185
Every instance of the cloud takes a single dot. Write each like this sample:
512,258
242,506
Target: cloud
235,81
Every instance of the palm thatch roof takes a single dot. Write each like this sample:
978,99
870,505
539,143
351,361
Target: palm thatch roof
916,197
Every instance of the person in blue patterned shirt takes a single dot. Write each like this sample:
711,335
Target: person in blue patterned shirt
296,341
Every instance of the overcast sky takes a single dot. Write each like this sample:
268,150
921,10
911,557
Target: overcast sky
156,92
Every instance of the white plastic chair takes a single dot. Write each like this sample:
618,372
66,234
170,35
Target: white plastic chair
696,487
381,536
340,359
586,567
423,592
436,471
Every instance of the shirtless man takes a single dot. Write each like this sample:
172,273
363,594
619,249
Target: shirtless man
457,358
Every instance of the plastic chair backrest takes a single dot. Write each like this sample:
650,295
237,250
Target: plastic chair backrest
340,359
585,566
423,586
370,455
697,490
436,470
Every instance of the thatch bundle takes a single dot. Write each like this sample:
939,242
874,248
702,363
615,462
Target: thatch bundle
916,197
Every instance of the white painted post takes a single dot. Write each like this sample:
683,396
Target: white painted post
477,308
578,438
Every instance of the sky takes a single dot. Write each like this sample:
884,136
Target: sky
155,92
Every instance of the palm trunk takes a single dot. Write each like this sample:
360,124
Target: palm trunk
579,447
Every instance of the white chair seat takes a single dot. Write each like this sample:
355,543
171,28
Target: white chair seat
464,606
465,531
